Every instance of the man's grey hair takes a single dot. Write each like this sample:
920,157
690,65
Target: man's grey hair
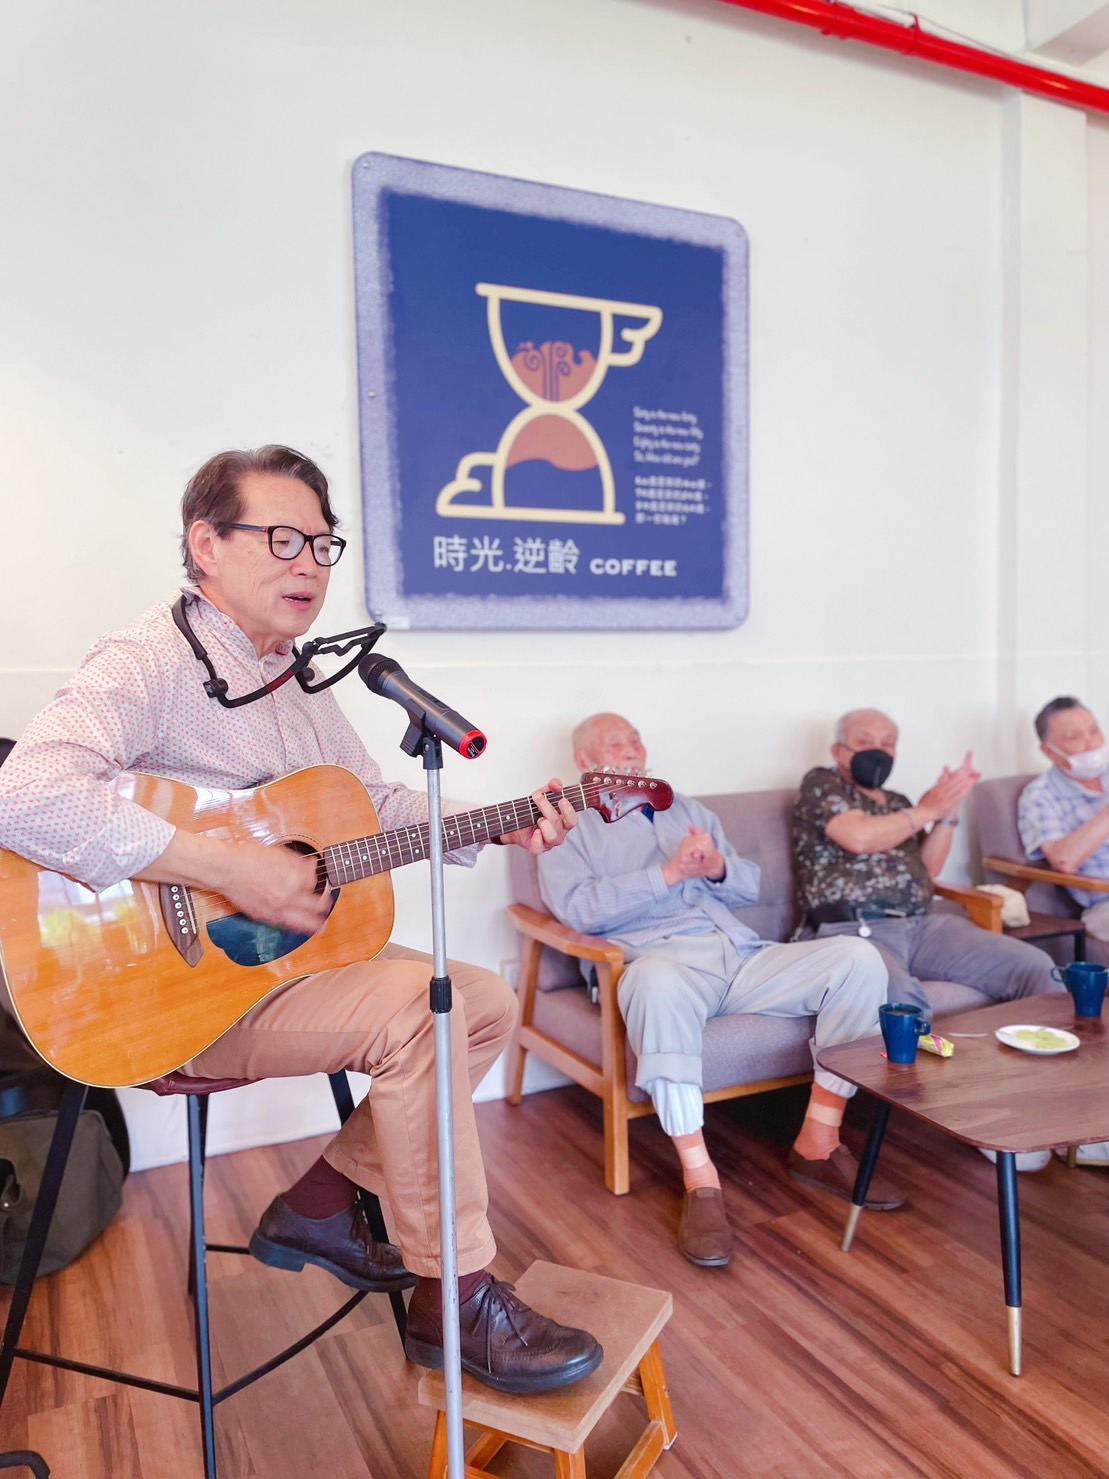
844,722
1059,705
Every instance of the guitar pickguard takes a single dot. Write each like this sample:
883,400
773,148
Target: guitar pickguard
246,942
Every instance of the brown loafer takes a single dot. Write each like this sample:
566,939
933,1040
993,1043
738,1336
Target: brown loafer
341,1244
704,1236
505,1344
837,1175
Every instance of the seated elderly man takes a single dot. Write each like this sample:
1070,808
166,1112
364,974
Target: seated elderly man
664,886
1063,818
864,858
1063,815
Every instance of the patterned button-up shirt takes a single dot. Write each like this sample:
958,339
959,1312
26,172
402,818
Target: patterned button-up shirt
137,703
826,873
1051,807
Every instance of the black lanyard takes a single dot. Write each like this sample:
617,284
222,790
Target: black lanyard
363,638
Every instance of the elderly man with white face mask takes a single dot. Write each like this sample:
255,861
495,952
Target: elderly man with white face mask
1063,818
1063,815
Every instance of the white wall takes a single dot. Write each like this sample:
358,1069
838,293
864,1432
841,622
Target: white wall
175,277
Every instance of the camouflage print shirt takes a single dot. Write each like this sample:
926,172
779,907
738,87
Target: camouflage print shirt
826,873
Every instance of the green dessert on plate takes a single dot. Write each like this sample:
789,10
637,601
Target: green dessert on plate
1041,1038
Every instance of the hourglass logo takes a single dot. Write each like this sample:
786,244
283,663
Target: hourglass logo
555,381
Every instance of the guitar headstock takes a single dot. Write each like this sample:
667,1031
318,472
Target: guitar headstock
615,796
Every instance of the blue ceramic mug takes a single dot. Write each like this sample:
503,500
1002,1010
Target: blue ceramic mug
902,1025
1086,982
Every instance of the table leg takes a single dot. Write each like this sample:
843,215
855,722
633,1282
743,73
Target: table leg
866,1171
1010,1250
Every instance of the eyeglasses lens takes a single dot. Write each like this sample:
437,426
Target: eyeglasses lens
287,543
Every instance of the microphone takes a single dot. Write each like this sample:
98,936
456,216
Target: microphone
386,677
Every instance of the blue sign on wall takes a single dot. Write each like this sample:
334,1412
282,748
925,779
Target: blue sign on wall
553,398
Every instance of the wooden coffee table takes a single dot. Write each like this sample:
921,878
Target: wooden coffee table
990,1096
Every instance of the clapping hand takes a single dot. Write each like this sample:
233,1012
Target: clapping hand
696,857
944,798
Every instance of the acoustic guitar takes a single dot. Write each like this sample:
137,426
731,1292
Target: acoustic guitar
122,986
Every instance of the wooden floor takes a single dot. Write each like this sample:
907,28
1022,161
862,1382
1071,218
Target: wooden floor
795,1361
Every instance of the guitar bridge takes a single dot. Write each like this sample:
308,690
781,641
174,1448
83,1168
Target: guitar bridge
180,921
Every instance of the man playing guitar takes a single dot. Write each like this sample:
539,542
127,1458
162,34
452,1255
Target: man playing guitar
258,543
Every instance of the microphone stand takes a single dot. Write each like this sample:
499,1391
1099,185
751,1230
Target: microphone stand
418,740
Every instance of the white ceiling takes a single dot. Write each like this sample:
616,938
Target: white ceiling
1072,35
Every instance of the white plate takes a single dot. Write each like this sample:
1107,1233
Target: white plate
1008,1035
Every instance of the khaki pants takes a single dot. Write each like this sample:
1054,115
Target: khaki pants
374,1017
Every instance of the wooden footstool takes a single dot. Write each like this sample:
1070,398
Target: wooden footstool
626,1319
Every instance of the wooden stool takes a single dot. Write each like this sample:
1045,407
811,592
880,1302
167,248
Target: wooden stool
626,1319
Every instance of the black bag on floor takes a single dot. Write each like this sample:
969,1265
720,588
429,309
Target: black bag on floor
99,1159
89,1198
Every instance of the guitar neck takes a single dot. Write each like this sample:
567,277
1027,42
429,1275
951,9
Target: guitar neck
346,862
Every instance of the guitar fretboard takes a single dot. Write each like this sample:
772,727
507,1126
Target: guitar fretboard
346,862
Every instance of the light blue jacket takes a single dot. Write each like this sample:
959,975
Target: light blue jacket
606,879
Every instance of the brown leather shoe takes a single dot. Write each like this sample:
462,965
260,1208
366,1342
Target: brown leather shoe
704,1236
505,1344
837,1175
341,1244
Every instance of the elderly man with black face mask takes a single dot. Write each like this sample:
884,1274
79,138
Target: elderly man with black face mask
864,858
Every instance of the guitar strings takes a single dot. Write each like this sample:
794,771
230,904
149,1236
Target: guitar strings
379,852
411,848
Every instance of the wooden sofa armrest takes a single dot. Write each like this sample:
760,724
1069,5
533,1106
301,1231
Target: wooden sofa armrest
1025,874
984,909
548,931
609,1082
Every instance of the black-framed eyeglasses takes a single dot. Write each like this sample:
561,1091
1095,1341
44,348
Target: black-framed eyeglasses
286,543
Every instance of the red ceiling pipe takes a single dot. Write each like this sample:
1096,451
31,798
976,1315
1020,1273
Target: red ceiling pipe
835,19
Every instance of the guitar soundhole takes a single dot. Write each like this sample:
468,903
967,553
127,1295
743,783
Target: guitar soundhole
246,941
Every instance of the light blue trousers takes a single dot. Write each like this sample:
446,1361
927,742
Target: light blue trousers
670,989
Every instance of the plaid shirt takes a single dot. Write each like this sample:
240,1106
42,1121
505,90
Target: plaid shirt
1051,807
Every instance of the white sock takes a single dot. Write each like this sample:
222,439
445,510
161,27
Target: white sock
680,1108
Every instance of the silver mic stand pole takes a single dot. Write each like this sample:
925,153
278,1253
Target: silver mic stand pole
417,740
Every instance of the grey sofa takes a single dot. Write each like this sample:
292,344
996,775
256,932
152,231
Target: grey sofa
561,1024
